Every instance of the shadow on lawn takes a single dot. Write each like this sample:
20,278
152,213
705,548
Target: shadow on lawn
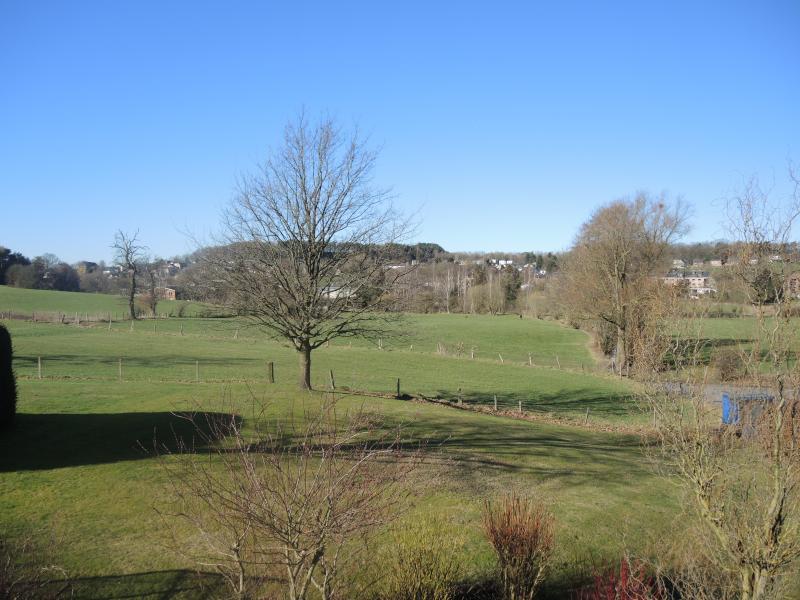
150,585
56,440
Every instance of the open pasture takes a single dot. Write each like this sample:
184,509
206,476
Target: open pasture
220,351
76,472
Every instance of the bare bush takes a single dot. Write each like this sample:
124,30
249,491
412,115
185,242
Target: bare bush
287,502
521,531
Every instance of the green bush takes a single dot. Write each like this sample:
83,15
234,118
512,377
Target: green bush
423,561
8,384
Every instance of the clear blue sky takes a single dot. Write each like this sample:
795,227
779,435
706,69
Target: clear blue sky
503,124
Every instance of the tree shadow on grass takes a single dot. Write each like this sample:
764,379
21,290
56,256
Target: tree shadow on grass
150,585
57,440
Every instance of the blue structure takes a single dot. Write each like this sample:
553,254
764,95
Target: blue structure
730,410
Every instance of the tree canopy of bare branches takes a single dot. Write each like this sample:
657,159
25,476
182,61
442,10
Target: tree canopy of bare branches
304,249
608,275
129,255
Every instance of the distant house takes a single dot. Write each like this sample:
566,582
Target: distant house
715,262
699,283
698,262
333,292
165,293
499,263
678,264
85,267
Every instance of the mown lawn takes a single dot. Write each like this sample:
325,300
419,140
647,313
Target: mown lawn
77,472
211,350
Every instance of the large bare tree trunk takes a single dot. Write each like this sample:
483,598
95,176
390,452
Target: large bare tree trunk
131,295
305,367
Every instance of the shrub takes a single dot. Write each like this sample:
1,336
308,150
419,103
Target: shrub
628,582
422,562
521,533
8,384
729,364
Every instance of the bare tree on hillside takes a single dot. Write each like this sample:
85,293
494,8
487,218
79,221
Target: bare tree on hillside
129,255
613,259
304,251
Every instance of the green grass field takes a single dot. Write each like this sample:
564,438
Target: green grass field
95,305
74,474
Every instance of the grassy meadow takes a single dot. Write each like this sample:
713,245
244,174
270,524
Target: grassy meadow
97,306
76,473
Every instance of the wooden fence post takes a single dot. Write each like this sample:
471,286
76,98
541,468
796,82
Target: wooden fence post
119,369
197,371
520,407
271,371
530,360
586,420
181,328
501,358
131,324
333,381
40,367
398,388
495,401
558,362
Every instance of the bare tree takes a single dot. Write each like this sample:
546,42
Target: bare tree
613,258
304,246
293,502
743,478
129,255
151,270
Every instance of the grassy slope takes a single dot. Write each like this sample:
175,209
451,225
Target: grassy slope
27,301
73,469
165,355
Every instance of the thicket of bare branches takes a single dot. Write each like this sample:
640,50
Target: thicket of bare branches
742,480
606,280
289,504
304,248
